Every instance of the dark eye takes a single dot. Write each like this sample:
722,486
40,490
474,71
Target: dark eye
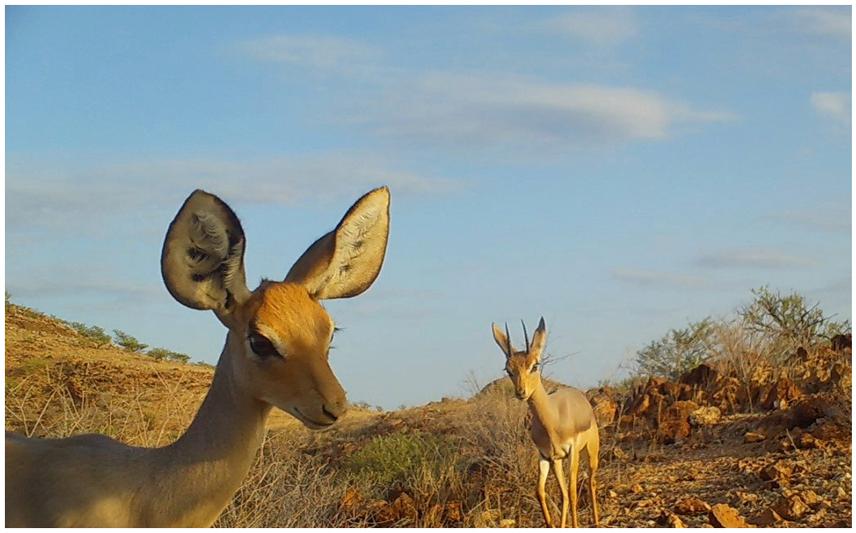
534,368
262,346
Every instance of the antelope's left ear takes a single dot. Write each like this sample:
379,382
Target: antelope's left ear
539,341
346,261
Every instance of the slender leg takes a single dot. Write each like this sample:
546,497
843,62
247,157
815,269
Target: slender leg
543,471
593,450
575,465
560,475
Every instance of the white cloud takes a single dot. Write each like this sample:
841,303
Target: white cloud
834,105
826,21
753,258
488,110
313,51
602,26
649,278
485,110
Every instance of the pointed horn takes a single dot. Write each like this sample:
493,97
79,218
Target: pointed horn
525,335
510,351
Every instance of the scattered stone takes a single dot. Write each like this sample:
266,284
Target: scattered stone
722,515
636,488
507,523
768,518
487,518
705,416
669,519
753,436
691,506
806,441
778,472
612,494
675,422
702,375
381,513
811,498
781,394
405,508
791,507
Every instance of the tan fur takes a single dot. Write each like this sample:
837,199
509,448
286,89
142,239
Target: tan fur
563,424
95,481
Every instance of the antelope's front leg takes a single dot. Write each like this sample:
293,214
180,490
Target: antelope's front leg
543,471
560,476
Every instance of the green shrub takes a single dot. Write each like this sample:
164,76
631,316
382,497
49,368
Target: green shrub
788,320
162,354
678,351
399,458
93,333
128,342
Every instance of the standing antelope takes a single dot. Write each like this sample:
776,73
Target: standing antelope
275,355
563,423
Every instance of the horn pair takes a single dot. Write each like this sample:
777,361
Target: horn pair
508,338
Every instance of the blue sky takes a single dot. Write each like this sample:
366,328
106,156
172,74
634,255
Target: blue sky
620,171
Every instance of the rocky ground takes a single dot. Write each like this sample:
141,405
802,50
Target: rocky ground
709,449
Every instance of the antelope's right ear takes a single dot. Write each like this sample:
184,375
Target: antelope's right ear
202,261
501,340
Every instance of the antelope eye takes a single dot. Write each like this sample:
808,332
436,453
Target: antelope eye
534,368
262,346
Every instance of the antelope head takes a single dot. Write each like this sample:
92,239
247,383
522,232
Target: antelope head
279,334
522,366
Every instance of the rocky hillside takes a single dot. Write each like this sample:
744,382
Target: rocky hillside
770,447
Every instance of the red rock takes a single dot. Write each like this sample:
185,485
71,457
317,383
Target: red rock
768,518
752,436
722,515
781,394
705,416
691,506
675,422
791,507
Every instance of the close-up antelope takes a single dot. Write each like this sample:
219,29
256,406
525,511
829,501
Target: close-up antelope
275,355
563,422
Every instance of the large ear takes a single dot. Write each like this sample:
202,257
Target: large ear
539,341
502,340
346,261
202,261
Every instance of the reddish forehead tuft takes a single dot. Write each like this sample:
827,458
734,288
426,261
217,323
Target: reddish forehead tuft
297,319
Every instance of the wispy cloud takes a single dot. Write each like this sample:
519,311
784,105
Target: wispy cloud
833,219
650,278
482,109
602,26
753,258
825,21
489,110
320,52
40,194
834,105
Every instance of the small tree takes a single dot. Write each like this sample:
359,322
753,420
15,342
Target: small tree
93,333
788,320
178,357
128,342
678,351
162,354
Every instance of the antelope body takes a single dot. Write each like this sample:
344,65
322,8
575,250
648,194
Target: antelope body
563,423
275,355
